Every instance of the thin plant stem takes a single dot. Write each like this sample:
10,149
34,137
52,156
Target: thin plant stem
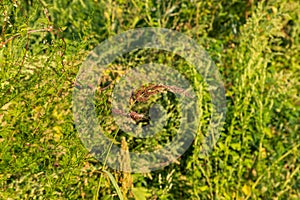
103,166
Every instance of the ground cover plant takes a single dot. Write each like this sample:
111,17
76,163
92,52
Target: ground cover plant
256,47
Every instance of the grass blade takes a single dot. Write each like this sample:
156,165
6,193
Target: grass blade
115,184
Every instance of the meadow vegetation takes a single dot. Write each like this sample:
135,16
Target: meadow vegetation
256,47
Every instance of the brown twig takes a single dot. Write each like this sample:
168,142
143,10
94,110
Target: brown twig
133,115
50,29
143,94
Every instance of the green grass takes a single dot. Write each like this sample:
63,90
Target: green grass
255,46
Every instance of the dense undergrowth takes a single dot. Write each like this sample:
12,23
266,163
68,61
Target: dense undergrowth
255,45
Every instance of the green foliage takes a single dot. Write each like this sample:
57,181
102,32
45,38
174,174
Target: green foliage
255,45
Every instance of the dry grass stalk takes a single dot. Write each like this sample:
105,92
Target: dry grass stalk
125,168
